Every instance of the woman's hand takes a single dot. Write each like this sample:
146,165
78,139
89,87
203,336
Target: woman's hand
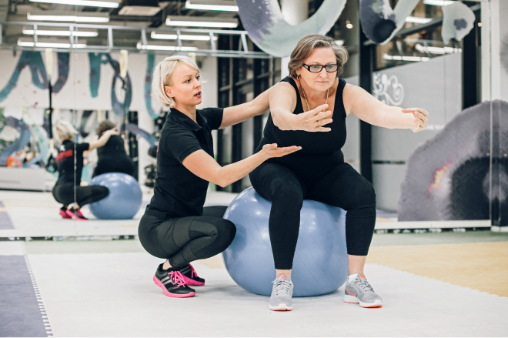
271,150
421,118
313,120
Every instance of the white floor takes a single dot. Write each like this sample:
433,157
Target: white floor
36,215
105,288
113,295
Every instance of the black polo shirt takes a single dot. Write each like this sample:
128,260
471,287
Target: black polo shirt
178,192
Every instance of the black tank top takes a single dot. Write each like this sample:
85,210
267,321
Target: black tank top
321,151
114,147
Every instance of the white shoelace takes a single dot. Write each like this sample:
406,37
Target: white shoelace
281,286
364,284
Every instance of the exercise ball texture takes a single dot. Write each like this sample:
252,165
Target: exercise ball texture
124,199
320,262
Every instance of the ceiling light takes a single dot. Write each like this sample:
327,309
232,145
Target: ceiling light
226,6
64,16
41,32
49,44
168,48
349,25
415,19
107,4
437,50
188,21
405,58
438,2
160,36
339,42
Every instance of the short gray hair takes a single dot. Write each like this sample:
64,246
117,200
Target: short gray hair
306,46
162,77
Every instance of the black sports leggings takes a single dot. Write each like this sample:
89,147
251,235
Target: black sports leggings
342,187
185,239
64,193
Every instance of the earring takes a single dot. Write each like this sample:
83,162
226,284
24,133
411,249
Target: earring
298,77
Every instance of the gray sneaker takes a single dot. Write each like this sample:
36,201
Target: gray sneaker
360,292
282,293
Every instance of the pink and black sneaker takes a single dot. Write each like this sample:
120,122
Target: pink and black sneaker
76,214
63,213
191,277
172,282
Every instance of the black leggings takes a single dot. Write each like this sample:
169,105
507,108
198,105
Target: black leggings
342,187
185,239
64,193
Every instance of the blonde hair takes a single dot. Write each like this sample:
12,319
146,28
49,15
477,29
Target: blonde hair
162,77
65,131
306,46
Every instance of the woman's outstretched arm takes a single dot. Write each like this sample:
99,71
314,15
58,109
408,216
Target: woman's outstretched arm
369,109
283,102
204,166
103,139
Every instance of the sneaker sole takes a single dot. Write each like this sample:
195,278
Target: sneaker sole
353,300
281,307
64,215
169,294
192,282
71,215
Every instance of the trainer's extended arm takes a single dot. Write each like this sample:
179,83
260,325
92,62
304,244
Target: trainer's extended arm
201,164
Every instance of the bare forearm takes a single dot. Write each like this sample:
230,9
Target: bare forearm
393,118
101,141
282,118
235,171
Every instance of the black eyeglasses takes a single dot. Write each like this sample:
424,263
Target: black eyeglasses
319,68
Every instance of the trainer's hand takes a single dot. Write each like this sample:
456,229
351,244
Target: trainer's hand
313,120
271,150
421,118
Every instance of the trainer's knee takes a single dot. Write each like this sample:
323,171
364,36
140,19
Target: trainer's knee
102,191
225,234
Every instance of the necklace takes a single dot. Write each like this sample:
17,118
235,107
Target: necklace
305,97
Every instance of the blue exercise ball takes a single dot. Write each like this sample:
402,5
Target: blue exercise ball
124,199
320,262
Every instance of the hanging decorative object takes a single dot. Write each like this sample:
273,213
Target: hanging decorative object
379,22
266,26
458,20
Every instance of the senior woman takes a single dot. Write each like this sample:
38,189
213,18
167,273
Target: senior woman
175,226
318,171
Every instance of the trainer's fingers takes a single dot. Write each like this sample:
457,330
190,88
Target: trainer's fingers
323,129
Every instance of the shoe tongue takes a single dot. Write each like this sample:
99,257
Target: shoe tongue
362,276
283,278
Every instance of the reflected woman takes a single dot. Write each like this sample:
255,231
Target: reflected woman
318,171
67,189
112,157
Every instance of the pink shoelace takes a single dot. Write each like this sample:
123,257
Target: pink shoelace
177,278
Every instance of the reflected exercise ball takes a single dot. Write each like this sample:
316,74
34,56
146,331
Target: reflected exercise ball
124,199
320,262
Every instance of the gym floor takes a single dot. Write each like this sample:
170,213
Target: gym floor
89,281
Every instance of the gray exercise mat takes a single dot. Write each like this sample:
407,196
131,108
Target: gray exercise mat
20,315
5,220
